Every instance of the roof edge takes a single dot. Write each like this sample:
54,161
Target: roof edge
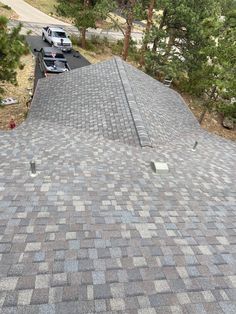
139,124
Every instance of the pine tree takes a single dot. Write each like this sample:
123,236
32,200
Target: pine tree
85,13
12,47
149,19
179,29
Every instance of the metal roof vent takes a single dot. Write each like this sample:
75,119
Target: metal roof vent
195,146
159,167
33,172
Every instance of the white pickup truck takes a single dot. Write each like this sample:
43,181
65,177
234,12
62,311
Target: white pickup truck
57,37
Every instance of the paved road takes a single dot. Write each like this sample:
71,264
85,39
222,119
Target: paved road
74,59
29,14
34,20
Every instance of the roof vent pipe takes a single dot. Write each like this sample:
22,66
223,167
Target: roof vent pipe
33,168
195,146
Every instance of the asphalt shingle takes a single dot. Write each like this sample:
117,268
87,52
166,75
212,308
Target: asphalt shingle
97,230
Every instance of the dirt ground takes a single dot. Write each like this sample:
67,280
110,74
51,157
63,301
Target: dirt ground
212,121
7,12
21,92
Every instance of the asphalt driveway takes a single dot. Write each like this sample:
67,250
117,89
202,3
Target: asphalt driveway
74,58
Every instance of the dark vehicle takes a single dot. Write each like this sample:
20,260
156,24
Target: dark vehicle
52,61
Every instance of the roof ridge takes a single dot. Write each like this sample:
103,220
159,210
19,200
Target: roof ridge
139,124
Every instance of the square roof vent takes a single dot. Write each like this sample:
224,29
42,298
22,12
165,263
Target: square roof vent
159,167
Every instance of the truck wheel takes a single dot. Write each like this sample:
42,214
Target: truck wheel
43,37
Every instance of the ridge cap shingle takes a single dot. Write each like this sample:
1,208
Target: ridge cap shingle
139,124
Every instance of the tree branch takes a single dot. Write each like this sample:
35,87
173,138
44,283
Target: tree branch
116,23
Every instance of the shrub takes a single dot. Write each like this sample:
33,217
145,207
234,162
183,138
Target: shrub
95,40
228,110
5,6
74,39
133,54
117,47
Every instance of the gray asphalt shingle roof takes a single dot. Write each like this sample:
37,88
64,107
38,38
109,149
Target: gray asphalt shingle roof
96,231
91,99
116,101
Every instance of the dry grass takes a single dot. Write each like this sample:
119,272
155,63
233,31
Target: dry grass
46,6
212,121
7,12
109,23
94,57
49,7
20,92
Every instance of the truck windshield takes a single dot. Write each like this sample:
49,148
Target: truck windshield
56,64
59,34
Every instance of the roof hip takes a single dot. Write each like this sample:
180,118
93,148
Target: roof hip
139,124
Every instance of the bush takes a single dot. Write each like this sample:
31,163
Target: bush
5,6
133,53
95,40
105,41
117,47
228,110
74,39
97,44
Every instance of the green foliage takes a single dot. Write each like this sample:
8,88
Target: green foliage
85,13
12,47
182,29
117,47
74,39
228,110
133,53
94,43
194,42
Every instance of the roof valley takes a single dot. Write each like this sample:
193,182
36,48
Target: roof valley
139,124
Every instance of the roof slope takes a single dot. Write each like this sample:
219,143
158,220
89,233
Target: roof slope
91,99
163,110
115,101
96,231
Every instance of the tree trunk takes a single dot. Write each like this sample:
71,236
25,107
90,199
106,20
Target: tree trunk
154,47
147,31
129,22
202,116
206,105
170,44
83,37
83,29
156,40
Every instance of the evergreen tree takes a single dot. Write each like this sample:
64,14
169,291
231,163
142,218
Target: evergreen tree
12,47
131,10
194,41
212,69
149,18
85,13
179,29
129,17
